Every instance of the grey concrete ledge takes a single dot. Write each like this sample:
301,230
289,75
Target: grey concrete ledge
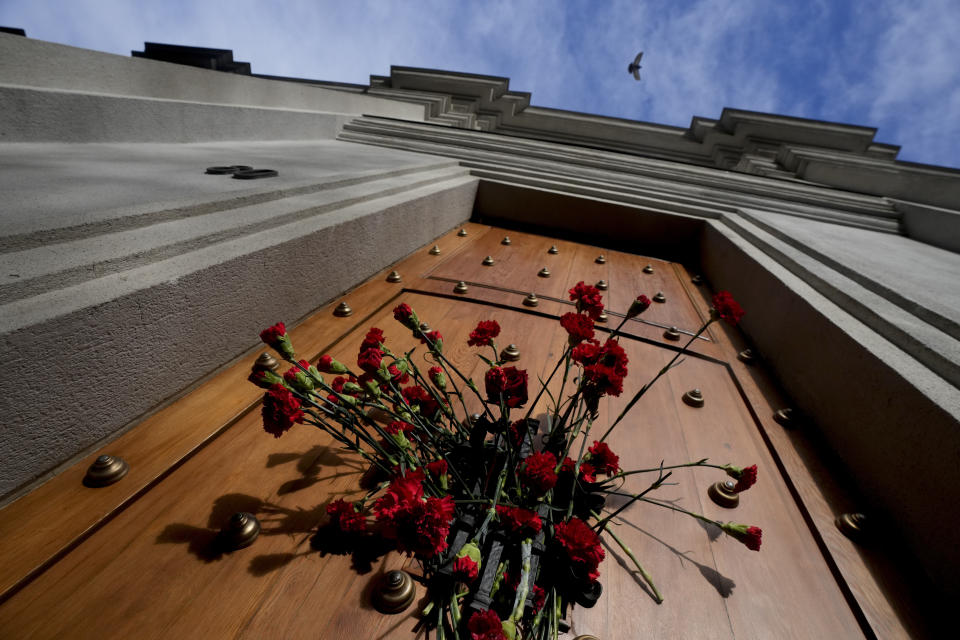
56,266
45,115
880,409
119,345
928,344
60,192
712,185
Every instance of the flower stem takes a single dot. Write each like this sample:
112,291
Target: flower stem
643,572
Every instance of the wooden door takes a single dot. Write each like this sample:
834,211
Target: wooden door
134,560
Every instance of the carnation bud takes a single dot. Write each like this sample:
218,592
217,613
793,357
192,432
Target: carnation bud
276,337
265,379
438,378
329,365
315,374
434,340
373,387
298,380
350,388
638,306
406,316
746,477
750,536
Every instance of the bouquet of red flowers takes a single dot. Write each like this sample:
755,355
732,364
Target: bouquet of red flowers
504,514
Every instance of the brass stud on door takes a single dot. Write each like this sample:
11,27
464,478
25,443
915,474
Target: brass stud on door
461,287
343,310
553,250
697,279
488,261
394,593
105,470
462,233
785,417
506,240
266,362
722,493
672,334
394,277
240,531
600,259
531,300
693,398
511,353
746,356
852,525
602,285
648,269
424,327
602,317
659,297
435,251
544,273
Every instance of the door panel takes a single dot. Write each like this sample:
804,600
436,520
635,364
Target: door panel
147,572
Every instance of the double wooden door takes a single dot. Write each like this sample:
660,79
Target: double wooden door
135,560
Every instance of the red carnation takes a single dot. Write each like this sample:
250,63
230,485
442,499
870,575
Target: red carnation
518,431
397,375
582,546
522,522
418,397
508,383
750,536
418,525
484,334
724,306
638,306
604,368
406,316
586,353
539,597
434,340
264,379
271,334
281,409
370,360
437,468
603,459
373,339
398,426
746,477
578,326
276,337
344,386
588,299
587,472
486,625
537,471
465,570
344,516
299,378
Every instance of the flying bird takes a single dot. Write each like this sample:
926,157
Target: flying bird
634,67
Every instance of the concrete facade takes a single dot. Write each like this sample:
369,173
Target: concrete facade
118,251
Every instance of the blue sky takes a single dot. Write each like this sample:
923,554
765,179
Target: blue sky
889,64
